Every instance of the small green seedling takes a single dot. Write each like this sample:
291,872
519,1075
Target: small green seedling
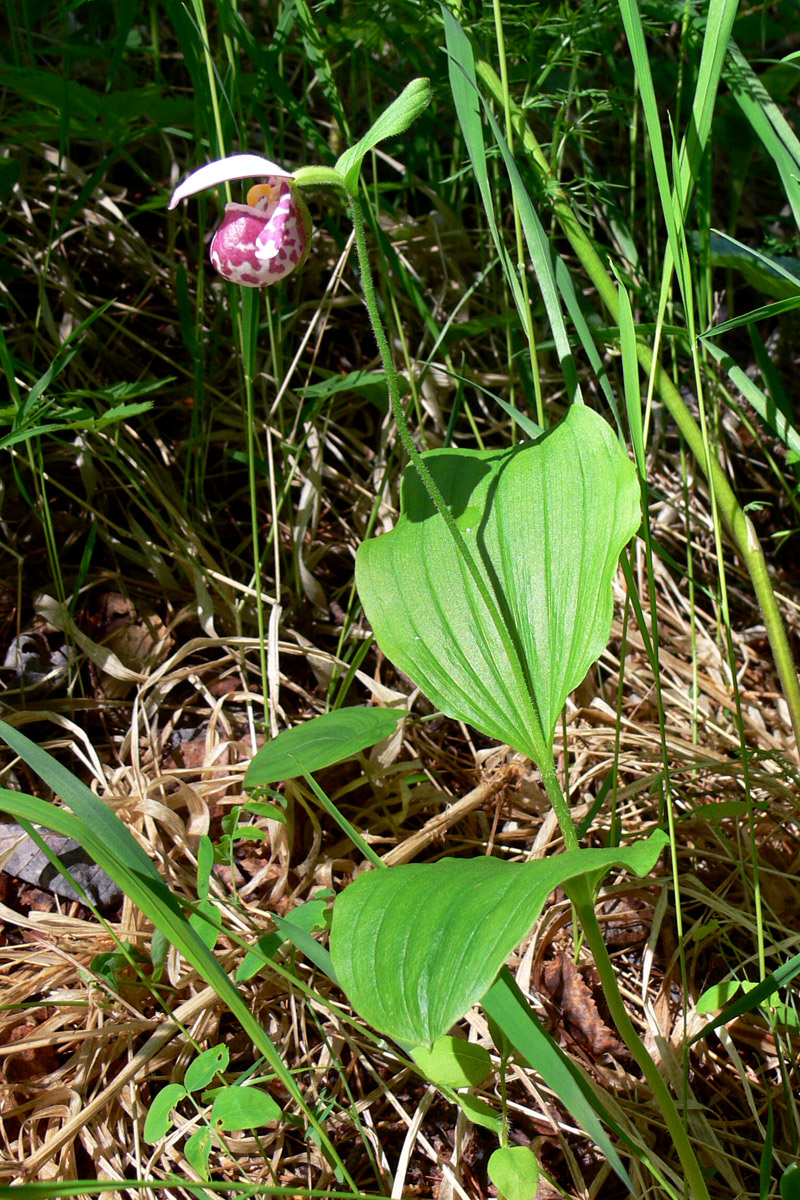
234,1107
114,966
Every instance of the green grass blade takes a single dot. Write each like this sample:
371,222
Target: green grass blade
768,123
543,260
343,823
574,307
634,31
466,99
630,376
719,23
765,407
765,313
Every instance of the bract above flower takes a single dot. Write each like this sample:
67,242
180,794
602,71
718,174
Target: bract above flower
264,240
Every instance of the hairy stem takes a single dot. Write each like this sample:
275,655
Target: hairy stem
538,739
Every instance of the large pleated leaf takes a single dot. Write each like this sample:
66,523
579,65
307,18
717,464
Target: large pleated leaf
414,947
545,522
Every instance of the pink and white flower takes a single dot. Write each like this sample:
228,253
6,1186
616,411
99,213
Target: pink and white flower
265,239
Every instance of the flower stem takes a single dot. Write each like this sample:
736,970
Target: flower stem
247,315
432,488
560,804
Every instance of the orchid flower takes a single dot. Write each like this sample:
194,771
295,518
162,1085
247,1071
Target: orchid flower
265,239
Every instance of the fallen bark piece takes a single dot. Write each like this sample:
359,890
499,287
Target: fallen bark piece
30,864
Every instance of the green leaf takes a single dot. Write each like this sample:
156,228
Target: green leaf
480,1113
545,521
717,996
307,177
394,120
261,809
452,1062
790,1182
231,820
111,965
205,863
159,1118
205,921
514,1171
415,946
159,949
202,1070
265,949
503,1045
313,914
309,916
320,742
243,1108
371,384
198,1150
776,275
754,994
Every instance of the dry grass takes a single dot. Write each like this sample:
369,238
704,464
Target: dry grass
82,1062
